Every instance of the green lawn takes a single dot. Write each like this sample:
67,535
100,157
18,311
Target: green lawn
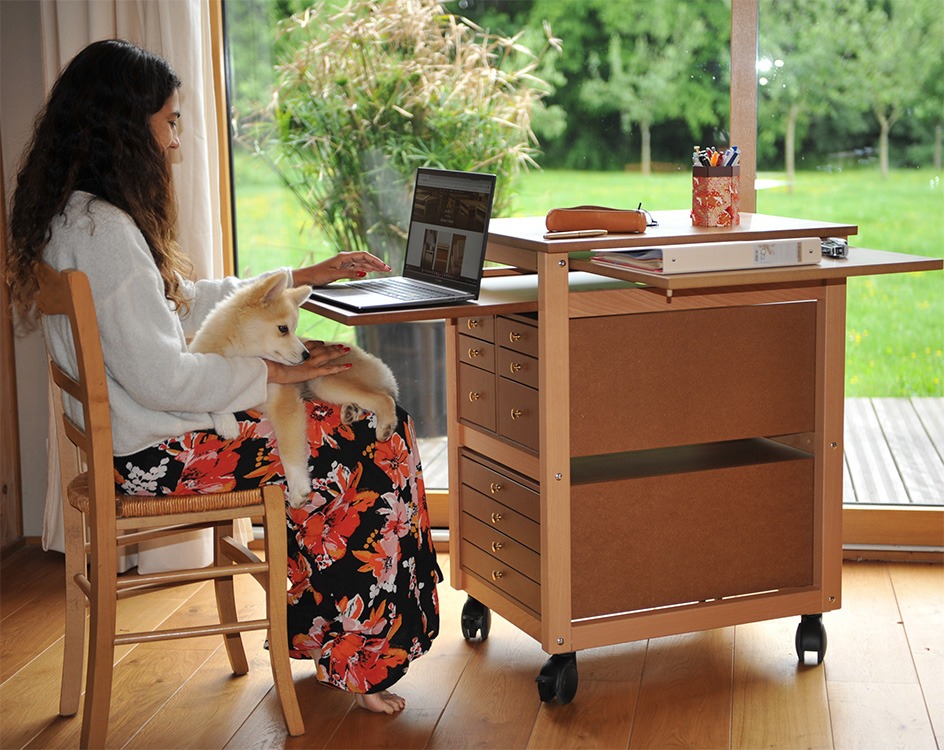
895,323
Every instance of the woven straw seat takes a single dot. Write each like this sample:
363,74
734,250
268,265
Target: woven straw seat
98,523
142,506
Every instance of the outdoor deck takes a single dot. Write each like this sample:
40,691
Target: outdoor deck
894,452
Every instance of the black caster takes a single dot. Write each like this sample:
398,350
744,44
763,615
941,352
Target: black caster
476,618
558,678
811,636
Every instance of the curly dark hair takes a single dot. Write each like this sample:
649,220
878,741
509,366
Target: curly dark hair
94,134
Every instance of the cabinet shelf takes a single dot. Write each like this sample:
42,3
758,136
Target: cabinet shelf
680,460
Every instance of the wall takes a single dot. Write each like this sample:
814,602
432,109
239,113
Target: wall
21,96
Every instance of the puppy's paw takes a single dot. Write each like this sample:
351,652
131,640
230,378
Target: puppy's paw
350,413
226,426
297,499
385,431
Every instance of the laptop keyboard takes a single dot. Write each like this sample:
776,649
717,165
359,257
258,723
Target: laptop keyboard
403,290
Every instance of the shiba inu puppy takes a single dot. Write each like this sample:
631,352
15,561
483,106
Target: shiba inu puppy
259,320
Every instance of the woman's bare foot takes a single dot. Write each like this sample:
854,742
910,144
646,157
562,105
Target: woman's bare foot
380,703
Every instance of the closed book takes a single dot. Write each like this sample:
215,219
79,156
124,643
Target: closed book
716,256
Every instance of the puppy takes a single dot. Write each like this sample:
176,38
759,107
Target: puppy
259,320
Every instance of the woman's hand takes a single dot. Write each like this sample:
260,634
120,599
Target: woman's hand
319,362
341,266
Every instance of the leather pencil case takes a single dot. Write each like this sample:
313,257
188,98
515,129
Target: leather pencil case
613,220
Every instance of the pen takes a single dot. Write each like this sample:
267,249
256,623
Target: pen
566,235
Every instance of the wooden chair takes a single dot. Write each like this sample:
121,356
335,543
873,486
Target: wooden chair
114,522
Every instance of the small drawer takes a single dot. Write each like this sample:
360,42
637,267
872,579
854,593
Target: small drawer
481,327
517,335
476,396
518,413
476,352
517,366
501,517
501,546
501,487
500,576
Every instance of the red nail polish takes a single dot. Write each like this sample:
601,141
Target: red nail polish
362,273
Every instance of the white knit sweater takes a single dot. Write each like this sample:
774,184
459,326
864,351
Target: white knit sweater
156,388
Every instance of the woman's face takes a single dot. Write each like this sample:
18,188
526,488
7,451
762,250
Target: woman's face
164,123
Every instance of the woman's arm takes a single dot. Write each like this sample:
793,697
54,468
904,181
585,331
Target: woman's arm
341,266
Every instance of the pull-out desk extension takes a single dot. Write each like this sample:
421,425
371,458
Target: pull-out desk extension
633,455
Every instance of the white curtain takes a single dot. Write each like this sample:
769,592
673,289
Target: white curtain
178,31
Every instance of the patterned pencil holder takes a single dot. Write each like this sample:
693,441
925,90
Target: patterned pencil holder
716,196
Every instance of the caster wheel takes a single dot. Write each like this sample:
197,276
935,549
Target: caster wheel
476,618
811,636
558,678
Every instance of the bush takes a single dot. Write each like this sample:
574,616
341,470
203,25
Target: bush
377,89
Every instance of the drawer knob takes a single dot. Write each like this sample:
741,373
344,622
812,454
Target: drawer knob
514,336
496,517
496,546
474,396
494,488
516,413
472,323
473,353
496,574
515,367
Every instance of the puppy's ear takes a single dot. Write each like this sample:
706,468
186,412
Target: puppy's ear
299,294
272,286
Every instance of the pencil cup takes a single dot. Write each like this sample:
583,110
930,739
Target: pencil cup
716,196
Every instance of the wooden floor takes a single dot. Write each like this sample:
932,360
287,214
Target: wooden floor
894,452
881,685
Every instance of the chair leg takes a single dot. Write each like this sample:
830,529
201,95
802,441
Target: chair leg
101,657
276,551
226,604
73,650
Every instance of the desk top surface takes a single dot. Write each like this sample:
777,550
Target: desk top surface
505,294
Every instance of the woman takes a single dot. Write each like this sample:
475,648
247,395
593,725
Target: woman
94,193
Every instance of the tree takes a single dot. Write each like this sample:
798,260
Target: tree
894,51
800,69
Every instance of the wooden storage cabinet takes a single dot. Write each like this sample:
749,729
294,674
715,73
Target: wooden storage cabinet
497,382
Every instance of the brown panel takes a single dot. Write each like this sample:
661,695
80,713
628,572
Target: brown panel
501,486
501,517
476,396
482,327
518,335
517,366
677,538
518,413
500,576
502,547
476,352
693,376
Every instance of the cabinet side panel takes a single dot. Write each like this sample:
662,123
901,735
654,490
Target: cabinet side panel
677,538
693,376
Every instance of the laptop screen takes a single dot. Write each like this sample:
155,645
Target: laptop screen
448,227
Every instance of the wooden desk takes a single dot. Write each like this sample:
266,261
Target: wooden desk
634,455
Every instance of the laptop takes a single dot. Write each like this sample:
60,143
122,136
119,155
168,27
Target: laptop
445,247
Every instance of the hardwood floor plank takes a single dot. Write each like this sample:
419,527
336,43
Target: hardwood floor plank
21,573
601,716
919,590
685,696
495,702
919,464
778,702
871,466
879,715
874,693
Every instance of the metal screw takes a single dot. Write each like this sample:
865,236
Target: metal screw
558,476
834,445
562,263
830,598
560,641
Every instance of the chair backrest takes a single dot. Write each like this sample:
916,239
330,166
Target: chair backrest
68,293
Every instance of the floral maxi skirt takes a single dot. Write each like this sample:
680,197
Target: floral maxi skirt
362,568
